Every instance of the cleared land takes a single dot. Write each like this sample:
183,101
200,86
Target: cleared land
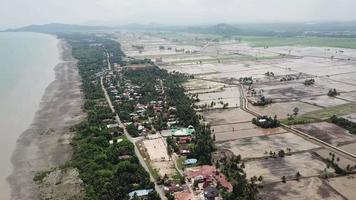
159,159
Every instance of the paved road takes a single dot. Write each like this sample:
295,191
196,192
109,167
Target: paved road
133,140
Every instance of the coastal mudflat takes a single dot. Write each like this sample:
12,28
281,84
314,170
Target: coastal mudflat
46,143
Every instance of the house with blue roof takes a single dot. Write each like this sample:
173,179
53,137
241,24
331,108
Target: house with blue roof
191,161
140,193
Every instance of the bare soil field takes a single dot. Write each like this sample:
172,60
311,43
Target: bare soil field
345,185
156,149
327,132
241,130
164,168
159,159
283,109
273,169
227,116
255,147
305,189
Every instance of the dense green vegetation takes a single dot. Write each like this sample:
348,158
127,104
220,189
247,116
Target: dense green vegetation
147,78
266,122
346,124
243,189
108,171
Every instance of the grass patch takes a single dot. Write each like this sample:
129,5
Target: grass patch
177,177
303,41
180,162
326,113
321,115
298,120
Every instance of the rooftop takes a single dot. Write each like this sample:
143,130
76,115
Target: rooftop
140,193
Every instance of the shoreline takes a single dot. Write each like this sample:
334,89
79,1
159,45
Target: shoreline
46,143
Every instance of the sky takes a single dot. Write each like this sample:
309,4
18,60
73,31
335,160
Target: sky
15,13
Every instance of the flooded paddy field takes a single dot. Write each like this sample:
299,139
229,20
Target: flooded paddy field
229,132
350,117
217,66
324,101
272,169
309,188
351,96
230,95
343,162
197,86
255,147
283,109
226,116
351,148
345,185
327,132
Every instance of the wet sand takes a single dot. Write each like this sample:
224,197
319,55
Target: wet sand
46,143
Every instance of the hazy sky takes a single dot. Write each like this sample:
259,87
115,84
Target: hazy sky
24,12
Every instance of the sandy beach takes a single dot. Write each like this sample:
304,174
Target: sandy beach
46,143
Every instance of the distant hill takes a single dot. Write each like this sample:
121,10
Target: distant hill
326,29
56,27
221,29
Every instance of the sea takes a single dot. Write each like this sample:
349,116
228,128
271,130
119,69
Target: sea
27,62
